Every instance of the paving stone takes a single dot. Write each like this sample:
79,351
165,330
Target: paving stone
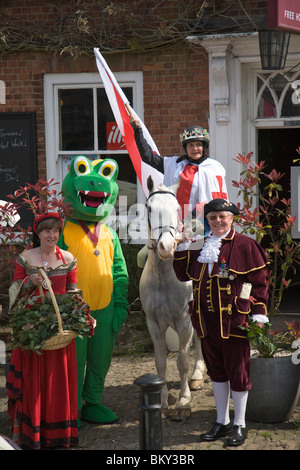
122,396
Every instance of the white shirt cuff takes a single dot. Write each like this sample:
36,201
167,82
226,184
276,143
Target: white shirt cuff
183,246
260,318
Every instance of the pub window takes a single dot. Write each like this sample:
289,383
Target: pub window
86,126
275,95
79,121
76,119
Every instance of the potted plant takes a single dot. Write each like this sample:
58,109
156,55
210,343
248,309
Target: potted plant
275,372
275,366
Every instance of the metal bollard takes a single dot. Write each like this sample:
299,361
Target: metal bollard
150,411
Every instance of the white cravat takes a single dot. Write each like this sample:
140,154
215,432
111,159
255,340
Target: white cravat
210,254
211,250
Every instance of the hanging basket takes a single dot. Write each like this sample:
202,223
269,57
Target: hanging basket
63,337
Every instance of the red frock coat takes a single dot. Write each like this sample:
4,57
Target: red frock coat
244,261
42,389
217,309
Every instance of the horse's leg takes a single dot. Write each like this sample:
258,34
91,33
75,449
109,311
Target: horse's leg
182,408
197,378
160,351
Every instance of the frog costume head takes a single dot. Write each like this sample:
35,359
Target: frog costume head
91,188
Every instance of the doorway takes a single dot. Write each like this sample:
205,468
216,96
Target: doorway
277,147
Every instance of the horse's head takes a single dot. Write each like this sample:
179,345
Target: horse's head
163,218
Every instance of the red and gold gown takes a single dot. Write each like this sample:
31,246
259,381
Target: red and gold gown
42,389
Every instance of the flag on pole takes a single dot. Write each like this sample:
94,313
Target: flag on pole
118,103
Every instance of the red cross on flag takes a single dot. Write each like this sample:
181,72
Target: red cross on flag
119,105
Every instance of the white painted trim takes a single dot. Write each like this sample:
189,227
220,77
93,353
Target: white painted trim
54,81
236,131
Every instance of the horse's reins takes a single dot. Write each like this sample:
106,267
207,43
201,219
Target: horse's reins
164,228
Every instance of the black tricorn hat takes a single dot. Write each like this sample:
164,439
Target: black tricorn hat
220,205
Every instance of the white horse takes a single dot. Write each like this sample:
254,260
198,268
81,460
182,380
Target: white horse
165,299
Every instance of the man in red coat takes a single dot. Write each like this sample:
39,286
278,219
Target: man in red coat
229,283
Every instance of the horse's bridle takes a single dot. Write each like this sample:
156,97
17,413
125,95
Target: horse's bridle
163,228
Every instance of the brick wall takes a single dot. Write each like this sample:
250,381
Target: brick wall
175,78
176,84
175,90
23,76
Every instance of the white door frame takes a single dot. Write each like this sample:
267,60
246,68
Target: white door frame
232,124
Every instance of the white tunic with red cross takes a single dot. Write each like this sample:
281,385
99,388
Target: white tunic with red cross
199,184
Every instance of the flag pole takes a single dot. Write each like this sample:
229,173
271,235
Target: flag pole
132,115
129,110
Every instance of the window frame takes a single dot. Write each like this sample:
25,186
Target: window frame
55,81
271,121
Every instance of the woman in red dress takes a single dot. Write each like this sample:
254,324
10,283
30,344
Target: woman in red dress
42,388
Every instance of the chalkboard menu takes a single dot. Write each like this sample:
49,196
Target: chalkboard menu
18,156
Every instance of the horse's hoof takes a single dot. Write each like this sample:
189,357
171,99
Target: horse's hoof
180,414
196,384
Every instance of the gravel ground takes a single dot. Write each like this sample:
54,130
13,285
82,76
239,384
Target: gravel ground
122,395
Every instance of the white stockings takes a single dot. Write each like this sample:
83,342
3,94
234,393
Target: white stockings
222,393
239,403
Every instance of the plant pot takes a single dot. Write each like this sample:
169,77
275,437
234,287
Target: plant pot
275,389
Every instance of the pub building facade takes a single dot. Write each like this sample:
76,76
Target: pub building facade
209,73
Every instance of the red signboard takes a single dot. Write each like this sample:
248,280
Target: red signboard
114,139
284,14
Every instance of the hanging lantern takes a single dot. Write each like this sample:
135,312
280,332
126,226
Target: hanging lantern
273,47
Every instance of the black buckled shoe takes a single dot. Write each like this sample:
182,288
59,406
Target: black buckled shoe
237,436
218,430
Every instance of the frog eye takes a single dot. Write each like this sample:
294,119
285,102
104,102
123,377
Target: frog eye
108,169
82,166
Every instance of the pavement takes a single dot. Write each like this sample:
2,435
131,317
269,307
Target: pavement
123,396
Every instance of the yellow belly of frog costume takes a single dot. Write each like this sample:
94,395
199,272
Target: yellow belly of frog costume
102,275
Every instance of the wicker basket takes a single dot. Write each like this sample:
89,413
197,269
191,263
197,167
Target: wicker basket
63,337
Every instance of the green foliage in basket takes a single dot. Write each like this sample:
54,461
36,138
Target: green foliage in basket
33,320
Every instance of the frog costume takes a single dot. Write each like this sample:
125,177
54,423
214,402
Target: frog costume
92,190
